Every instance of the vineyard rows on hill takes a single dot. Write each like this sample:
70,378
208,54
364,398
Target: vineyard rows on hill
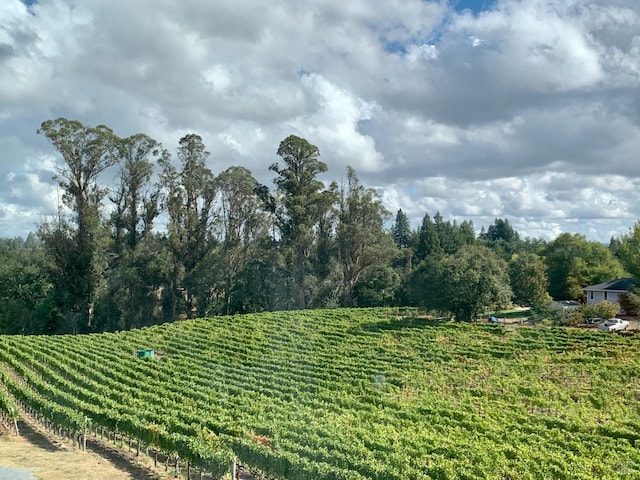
347,394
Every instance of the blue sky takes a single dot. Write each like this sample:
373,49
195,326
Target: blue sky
523,110
476,6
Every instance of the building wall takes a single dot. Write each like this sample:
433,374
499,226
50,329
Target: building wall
597,297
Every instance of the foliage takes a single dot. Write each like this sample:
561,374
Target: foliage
324,263
377,287
427,242
628,250
23,287
130,281
188,198
362,241
357,394
446,233
135,202
554,314
502,238
264,283
465,233
135,286
465,284
442,236
630,300
401,230
501,229
603,309
75,249
240,227
528,280
614,247
574,262
227,244
86,152
302,202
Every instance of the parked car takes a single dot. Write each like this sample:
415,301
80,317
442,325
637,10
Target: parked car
593,320
494,319
613,324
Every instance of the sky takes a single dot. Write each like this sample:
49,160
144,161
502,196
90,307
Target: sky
527,110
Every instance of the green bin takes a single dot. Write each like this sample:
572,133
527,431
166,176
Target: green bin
146,353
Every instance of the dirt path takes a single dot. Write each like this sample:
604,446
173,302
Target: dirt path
49,458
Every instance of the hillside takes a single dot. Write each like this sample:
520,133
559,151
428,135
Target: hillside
348,394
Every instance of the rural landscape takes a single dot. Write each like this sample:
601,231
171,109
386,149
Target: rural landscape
304,332
319,240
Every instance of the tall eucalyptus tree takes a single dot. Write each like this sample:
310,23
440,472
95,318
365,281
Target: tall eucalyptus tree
130,300
189,199
241,225
75,248
362,239
302,199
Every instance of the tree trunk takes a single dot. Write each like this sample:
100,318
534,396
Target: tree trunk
300,278
348,284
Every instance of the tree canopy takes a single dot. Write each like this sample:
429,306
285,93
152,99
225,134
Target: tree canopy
573,262
466,283
169,239
301,206
627,250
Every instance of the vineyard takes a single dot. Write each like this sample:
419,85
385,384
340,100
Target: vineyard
345,394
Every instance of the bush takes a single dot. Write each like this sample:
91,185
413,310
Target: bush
550,315
599,310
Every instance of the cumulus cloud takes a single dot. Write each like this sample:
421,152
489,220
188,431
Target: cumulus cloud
334,125
527,109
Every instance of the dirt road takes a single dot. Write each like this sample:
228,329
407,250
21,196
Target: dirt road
48,458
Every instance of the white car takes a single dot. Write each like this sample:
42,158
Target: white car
613,324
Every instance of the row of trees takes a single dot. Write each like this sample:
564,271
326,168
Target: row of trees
173,239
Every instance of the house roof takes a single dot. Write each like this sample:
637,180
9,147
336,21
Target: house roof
619,285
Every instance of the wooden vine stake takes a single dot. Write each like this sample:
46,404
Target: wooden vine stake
84,434
13,415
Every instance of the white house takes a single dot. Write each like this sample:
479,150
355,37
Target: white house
609,291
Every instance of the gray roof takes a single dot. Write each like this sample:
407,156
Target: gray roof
619,285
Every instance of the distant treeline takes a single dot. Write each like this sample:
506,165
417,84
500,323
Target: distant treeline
172,240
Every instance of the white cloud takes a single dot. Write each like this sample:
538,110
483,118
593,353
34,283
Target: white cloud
534,45
334,124
528,111
218,77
